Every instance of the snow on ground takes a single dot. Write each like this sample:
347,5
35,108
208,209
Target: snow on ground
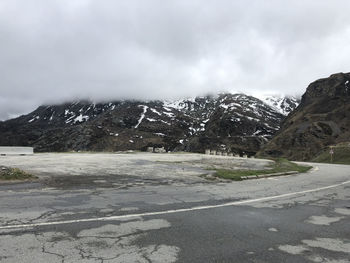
277,102
34,118
81,118
155,111
167,123
68,112
177,104
169,114
142,115
159,134
51,118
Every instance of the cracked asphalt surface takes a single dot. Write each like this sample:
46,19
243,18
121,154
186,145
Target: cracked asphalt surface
82,194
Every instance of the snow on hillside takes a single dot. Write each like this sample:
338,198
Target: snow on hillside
241,113
192,124
282,104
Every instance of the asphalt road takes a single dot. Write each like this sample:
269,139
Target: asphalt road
299,218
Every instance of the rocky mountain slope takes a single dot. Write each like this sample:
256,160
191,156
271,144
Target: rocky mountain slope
321,119
233,122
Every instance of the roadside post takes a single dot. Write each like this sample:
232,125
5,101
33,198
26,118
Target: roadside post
331,152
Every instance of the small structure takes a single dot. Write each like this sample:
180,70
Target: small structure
212,152
207,151
224,153
245,156
218,153
150,149
159,150
236,155
16,150
230,154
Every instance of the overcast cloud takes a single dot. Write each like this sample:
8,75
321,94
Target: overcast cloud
56,50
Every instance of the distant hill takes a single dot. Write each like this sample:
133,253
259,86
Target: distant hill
322,119
232,122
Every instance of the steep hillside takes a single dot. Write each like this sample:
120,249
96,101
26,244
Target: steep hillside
235,122
321,119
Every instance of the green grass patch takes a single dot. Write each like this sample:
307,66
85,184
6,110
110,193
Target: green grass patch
280,165
7,173
341,156
169,162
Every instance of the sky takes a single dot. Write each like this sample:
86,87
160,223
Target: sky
61,50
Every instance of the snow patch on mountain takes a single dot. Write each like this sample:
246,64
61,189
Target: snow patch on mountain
282,104
143,114
34,118
81,118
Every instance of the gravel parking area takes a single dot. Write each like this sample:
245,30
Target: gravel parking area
124,170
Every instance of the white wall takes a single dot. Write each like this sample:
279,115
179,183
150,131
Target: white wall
14,150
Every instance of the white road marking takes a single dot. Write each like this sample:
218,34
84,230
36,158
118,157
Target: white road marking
112,218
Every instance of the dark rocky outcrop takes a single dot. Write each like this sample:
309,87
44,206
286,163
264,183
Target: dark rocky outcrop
321,119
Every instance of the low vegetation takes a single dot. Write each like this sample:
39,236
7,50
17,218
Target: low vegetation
341,155
280,165
7,173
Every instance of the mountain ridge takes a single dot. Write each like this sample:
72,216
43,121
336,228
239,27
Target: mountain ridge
321,120
188,124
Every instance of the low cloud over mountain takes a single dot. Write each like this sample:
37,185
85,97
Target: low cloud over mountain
55,51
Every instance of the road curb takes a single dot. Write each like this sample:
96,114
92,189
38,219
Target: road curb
267,175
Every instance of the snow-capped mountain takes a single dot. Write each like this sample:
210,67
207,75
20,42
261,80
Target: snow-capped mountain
282,104
236,122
